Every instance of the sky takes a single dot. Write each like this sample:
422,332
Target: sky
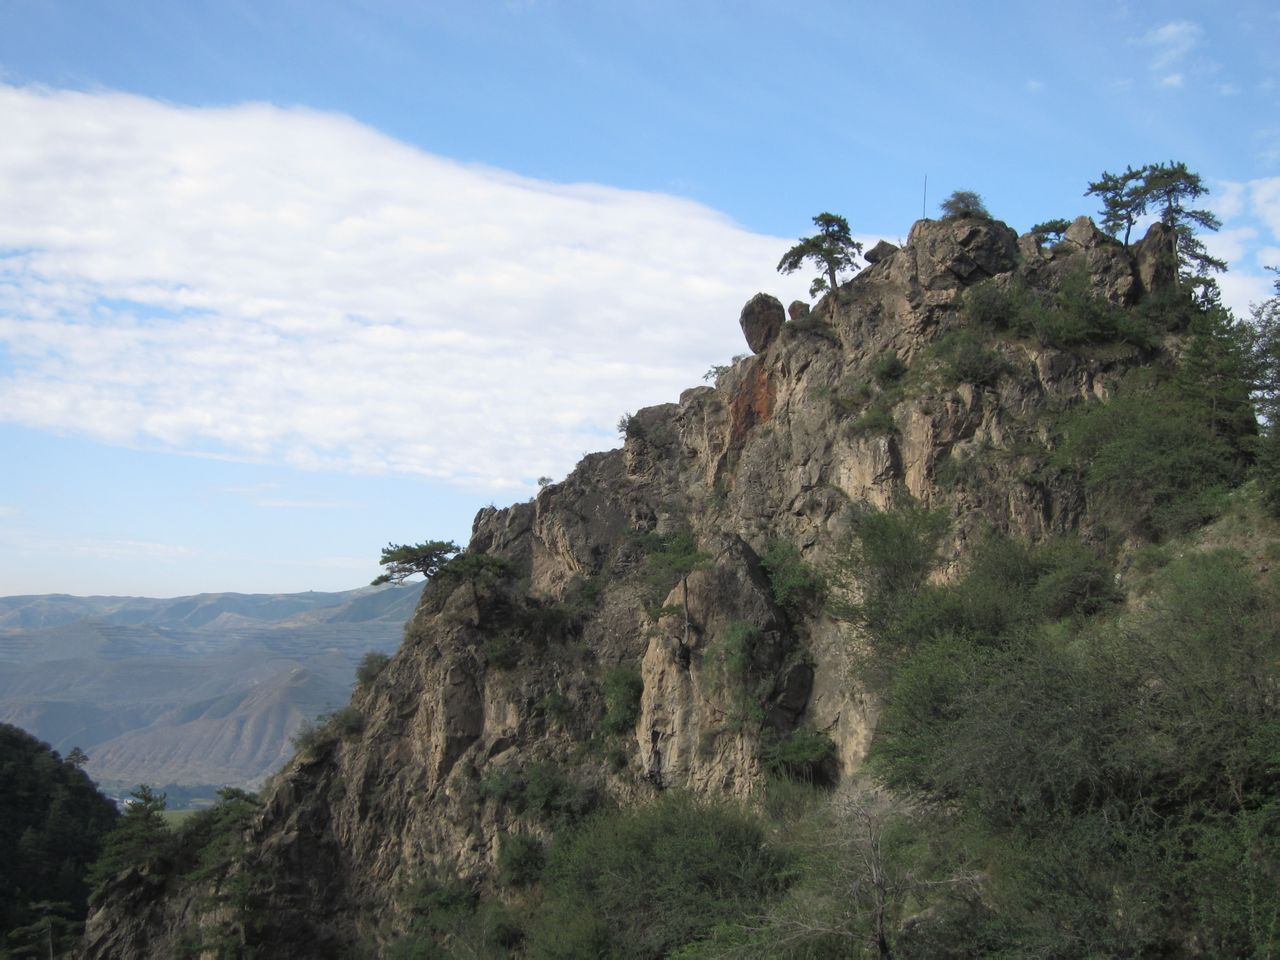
283,282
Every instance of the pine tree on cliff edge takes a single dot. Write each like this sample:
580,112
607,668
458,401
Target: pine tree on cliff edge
832,249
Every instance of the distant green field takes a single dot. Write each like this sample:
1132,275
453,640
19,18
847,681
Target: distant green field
175,818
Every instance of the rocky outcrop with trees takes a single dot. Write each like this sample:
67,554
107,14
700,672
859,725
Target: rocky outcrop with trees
952,471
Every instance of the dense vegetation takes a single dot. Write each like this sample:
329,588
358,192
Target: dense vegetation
52,821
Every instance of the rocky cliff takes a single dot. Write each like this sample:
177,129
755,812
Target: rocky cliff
668,561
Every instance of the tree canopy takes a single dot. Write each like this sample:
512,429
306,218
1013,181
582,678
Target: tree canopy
964,203
404,560
1123,200
831,249
1166,188
52,821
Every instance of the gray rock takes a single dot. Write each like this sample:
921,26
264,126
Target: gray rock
762,319
881,250
950,253
1156,269
798,310
1084,233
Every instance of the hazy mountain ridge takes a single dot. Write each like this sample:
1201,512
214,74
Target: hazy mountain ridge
201,689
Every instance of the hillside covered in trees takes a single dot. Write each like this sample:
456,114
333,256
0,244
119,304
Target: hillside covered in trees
52,822
943,625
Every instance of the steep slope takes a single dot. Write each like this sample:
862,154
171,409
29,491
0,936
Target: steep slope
509,702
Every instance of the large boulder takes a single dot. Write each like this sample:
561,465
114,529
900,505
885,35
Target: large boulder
881,250
952,253
762,319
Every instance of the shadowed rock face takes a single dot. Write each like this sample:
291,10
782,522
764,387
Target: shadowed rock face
782,449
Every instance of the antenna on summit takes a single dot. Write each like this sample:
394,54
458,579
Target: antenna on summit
924,197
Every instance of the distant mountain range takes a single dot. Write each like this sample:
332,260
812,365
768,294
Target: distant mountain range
195,690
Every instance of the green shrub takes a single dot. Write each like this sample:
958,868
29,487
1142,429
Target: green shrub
958,471
541,789
875,420
521,860
1117,775
501,649
795,585
556,706
890,554
371,666
1072,316
668,558
641,882
804,754
966,359
312,737
888,368
738,650
964,203
623,687
1150,463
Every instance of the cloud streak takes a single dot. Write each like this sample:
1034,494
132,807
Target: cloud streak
289,285
1170,46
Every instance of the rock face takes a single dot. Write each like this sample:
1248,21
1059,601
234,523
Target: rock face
762,319
500,676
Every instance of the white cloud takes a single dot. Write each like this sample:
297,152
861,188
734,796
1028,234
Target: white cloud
1170,45
1229,244
1172,80
291,285
1264,195
1240,290
1227,199
1035,86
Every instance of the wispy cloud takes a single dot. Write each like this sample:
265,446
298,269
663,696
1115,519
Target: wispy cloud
1170,46
1264,196
292,285
280,504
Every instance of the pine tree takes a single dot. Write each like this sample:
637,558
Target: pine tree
140,836
404,560
1123,200
1168,187
831,248
1266,322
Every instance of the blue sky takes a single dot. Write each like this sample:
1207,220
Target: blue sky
281,282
